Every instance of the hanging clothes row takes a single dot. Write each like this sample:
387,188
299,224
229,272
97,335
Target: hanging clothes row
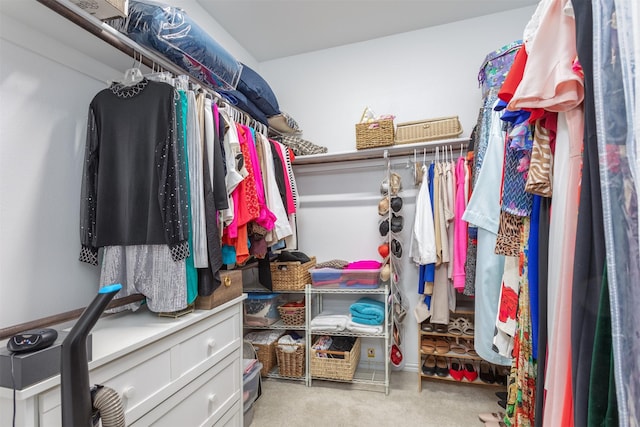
174,186
439,236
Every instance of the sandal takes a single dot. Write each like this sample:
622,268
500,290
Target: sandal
440,328
456,326
428,345
427,327
467,327
460,346
442,346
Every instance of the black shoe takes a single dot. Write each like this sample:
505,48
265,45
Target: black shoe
502,375
503,404
442,367
502,395
429,366
486,373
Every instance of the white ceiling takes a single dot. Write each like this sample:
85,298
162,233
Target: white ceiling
270,29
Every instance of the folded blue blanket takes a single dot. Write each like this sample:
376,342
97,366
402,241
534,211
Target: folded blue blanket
367,311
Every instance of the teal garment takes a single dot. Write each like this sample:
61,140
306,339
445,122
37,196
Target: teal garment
603,404
192,273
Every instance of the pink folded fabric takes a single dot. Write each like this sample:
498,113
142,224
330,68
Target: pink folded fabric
364,265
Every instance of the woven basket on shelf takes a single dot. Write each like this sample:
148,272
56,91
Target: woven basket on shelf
266,355
428,130
332,368
291,364
291,275
292,316
374,134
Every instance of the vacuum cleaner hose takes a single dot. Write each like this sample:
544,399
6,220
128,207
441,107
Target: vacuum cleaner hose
108,403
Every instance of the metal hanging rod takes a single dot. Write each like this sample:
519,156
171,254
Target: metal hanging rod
110,35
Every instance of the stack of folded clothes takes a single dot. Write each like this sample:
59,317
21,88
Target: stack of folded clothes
367,311
329,322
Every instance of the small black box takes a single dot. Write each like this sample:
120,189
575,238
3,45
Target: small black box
31,368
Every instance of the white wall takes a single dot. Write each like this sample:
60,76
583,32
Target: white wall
46,87
416,75
215,30
44,112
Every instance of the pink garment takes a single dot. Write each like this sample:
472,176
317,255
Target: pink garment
216,118
558,409
266,218
364,265
291,205
460,228
549,81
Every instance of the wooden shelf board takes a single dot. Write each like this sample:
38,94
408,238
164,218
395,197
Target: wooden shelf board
452,355
477,381
446,334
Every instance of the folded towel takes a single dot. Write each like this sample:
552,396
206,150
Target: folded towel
367,311
365,329
329,322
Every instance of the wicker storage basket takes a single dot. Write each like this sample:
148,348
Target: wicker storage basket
266,355
292,316
427,130
291,275
337,369
374,134
291,364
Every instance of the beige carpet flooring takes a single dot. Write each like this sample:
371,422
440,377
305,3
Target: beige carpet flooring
326,403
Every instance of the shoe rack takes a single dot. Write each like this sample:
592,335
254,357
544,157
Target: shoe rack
446,353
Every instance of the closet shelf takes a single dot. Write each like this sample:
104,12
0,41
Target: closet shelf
275,373
376,153
373,374
269,291
477,381
446,334
348,334
277,325
452,355
380,290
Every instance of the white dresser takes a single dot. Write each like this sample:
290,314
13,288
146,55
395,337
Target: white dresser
168,372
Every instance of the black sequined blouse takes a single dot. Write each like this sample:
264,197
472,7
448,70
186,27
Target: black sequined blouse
134,179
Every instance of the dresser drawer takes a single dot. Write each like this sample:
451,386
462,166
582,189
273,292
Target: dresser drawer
206,342
202,402
135,387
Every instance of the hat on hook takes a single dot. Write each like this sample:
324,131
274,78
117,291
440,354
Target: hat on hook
396,203
383,206
385,272
396,248
383,250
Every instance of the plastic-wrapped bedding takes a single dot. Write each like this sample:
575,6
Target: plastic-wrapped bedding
171,32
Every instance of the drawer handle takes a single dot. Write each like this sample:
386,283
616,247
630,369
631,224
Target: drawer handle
211,343
211,397
227,281
129,392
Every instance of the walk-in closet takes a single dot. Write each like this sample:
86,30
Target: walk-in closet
311,213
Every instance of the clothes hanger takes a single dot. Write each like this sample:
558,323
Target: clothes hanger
133,75
182,82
